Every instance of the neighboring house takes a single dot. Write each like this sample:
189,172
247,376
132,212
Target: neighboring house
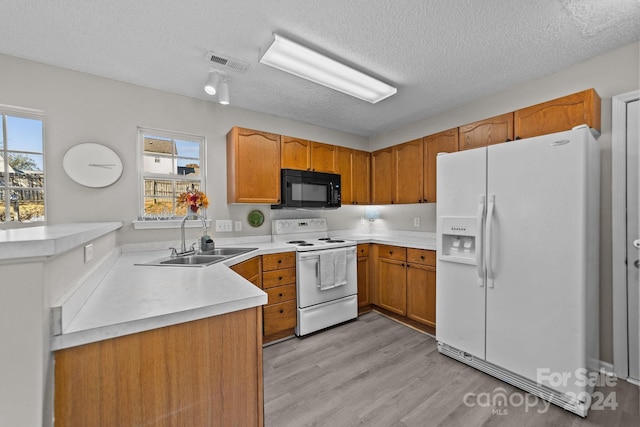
158,155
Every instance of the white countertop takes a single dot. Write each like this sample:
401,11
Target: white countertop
132,298
50,240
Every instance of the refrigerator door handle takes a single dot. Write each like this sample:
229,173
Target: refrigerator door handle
487,250
479,243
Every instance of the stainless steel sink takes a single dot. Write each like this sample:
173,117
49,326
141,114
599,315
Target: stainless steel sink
201,259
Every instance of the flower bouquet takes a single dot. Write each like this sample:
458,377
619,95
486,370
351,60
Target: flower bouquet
193,200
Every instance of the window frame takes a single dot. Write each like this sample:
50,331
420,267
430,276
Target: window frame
149,220
32,114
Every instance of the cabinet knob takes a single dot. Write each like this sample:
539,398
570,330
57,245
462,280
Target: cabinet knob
517,138
280,294
390,252
279,277
421,256
281,311
279,261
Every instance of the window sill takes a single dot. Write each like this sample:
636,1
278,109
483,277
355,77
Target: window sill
170,223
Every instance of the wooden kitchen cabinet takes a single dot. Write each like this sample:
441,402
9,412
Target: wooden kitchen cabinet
442,142
421,286
253,166
392,279
382,176
201,373
354,169
559,114
364,295
408,176
486,132
297,153
250,270
279,282
361,177
344,167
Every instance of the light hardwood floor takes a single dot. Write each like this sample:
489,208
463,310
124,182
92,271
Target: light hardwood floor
376,372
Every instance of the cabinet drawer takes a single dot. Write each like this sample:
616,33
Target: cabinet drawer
248,268
278,277
279,317
421,256
392,252
363,249
277,261
280,294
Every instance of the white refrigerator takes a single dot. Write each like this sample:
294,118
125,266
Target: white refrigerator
517,263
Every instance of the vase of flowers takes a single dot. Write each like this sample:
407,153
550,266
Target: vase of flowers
193,200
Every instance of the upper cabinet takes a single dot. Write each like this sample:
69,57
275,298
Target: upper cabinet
559,115
295,153
486,132
382,173
361,177
301,154
408,178
253,166
344,165
442,142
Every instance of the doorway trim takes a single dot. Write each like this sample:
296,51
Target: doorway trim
618,230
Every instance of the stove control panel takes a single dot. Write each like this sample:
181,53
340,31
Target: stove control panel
290,226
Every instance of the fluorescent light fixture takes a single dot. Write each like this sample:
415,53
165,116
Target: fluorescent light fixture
301,61
223,92
211,87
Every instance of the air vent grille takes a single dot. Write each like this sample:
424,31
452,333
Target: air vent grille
228,62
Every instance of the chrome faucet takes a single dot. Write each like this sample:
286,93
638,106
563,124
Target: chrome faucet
183,247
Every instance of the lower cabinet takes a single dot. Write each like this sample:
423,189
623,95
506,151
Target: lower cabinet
364,268
279,282
421,286
406,282
202,373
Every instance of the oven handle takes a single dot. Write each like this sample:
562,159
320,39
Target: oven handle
315,254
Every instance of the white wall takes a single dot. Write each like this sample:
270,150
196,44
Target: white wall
81,107
610,74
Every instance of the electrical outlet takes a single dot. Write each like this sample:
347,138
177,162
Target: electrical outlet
224,225
88,253
416,221
238,225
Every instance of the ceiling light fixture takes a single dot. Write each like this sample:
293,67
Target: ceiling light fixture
211,86
223,92
301,61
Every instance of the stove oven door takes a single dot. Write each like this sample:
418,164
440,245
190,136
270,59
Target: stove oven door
308,278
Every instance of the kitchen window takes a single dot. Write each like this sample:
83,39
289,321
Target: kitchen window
170,164
21,167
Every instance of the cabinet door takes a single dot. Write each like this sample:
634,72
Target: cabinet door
295,153
421,294
408,165
345,169
364,297
442,142
486,132
392,285
323,157
361,178
559,115
253,166
382,176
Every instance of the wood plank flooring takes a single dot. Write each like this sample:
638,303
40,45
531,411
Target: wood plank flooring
376,372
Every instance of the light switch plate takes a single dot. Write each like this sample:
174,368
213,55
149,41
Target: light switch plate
238,225
416,221
88,253
224,225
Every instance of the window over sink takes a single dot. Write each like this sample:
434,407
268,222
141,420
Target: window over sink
170,163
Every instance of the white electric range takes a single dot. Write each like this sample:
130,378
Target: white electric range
326,273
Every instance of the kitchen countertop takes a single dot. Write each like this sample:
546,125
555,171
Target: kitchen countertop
134,298
50,240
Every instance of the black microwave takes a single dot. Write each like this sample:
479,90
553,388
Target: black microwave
308,189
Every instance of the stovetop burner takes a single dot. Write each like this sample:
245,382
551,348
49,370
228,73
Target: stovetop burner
305,244
330,240
296,242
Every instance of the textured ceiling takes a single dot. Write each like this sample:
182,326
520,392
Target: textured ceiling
440,54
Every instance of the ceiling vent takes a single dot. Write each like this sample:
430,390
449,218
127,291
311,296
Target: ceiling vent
225,61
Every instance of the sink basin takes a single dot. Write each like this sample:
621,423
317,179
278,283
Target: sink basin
194,260
227,251
201,259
